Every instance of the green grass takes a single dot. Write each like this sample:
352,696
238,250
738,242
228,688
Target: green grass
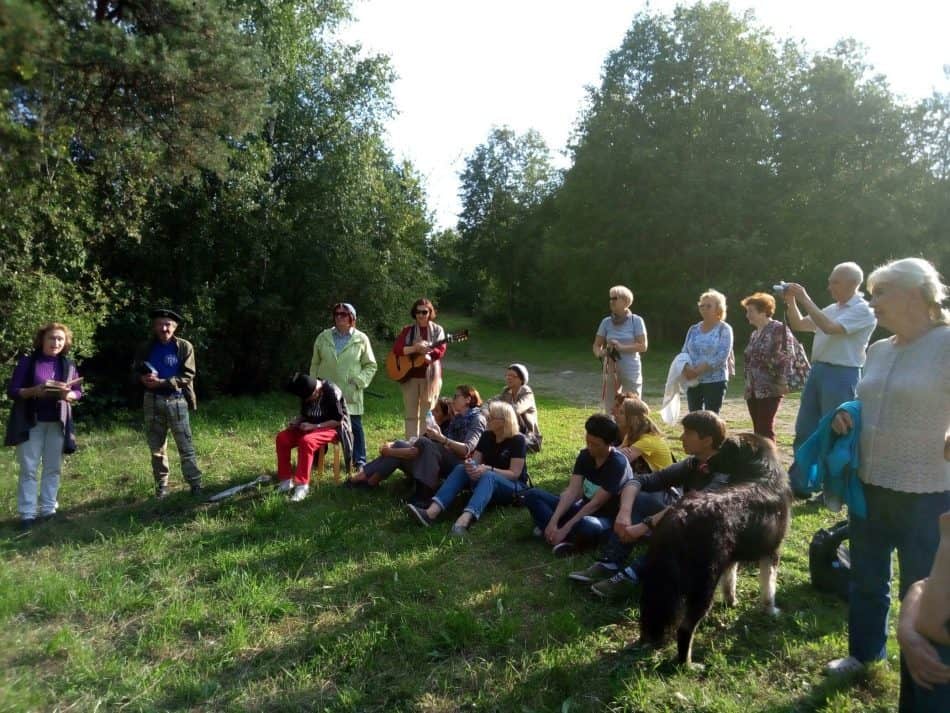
340,603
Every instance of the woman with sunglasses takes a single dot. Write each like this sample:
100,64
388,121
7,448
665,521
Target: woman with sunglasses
621,337
343,355
422,384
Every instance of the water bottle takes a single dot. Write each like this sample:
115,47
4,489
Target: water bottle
430,419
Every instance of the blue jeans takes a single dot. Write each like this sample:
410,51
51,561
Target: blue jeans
646,504
589,529
490,488
359,441
706,396
906,522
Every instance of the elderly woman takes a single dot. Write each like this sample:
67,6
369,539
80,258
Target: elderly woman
495,472
620,339
709,348
344,355
43,388
521,397
421,387
766,362
905,421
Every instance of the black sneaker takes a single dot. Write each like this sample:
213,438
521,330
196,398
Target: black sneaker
419,514
51,517
196,489
26,524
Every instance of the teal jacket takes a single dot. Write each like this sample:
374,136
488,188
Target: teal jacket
352,369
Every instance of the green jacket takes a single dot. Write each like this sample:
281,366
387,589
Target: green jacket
186,368
352,370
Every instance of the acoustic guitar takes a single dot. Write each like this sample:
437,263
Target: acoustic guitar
398,367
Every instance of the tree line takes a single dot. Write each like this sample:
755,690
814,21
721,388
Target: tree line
224,157
711,154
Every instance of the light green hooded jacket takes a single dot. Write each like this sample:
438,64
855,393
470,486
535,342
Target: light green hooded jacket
352,370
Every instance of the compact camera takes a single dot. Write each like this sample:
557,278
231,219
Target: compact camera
613,353
779,289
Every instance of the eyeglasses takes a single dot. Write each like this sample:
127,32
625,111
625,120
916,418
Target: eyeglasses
705,306
422,311
613,299
341,314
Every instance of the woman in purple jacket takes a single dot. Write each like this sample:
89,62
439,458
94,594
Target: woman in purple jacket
44,386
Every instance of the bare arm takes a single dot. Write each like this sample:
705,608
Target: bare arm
816,319
598,347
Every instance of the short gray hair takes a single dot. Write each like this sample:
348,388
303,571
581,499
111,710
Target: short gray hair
915,273
852,270
623,293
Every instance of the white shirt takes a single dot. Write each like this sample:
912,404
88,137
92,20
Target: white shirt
850,348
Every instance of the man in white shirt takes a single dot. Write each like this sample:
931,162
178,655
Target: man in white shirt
842,330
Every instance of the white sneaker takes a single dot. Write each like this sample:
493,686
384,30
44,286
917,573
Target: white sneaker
285,486
842,667
300,492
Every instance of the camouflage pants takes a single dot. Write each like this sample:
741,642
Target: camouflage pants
164,414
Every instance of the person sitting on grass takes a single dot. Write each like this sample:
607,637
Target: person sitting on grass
643,504
323,420
397,454
573,520
521,397
495,472
647,450
440,451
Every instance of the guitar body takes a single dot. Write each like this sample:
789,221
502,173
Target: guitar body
398,367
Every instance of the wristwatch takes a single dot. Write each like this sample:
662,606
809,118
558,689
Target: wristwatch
648,521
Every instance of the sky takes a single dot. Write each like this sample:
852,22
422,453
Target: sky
465,66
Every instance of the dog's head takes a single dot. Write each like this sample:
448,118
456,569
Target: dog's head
746,458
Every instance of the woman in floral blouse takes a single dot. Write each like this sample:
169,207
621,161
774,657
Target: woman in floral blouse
766,362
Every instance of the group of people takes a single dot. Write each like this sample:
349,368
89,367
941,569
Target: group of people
625,477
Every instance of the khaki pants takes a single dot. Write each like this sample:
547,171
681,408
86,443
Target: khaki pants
417,400
164,414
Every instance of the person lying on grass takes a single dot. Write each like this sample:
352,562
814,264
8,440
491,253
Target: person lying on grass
575,520
643,504
397,454
495,472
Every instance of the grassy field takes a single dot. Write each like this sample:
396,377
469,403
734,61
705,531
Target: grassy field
341,603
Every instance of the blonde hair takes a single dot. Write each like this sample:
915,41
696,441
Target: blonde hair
717,297
49,327
506,412
623,293
636,416
915,273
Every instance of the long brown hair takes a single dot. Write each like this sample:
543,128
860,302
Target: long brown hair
49,327
636,416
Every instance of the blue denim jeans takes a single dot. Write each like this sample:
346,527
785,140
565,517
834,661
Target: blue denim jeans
588,530
359,441
906,522
706,396
646,504
490,488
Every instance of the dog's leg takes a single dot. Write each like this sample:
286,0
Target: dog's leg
768,573
698,602
728,584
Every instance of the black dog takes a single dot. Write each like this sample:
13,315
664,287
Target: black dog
703,537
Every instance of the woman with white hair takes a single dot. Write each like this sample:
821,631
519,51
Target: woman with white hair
905,455
495,472
621,338
709,348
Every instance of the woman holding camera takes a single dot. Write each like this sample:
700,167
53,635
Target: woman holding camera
43,388
709,347
621,338
766,363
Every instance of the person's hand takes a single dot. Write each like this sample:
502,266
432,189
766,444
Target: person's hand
150,381
553,534
842,423
476,473
632,533
384,448
614,344
433,433
794,291
621,523
923,661
690,373
53,389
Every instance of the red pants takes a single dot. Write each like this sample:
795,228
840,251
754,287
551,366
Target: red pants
306,444
763,413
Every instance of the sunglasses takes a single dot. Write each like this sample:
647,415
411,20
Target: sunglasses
422,311
614,299
341,314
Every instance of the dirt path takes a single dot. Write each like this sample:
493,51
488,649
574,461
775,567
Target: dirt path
583,389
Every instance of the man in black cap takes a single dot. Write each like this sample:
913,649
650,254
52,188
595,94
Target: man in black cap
165,366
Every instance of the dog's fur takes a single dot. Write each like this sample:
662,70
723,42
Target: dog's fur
703,537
